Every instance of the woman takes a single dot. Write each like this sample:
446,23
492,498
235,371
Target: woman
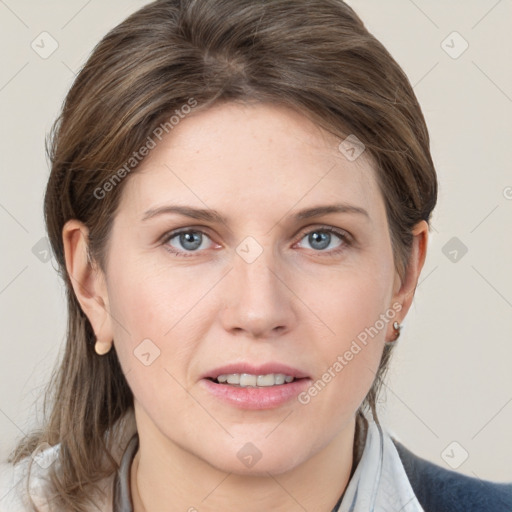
239,203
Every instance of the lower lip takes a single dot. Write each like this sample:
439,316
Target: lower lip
256,398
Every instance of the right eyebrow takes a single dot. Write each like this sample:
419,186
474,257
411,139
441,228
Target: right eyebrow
188,211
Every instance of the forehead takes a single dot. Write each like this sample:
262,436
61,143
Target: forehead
251,156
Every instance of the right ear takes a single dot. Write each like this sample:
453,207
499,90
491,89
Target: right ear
87,279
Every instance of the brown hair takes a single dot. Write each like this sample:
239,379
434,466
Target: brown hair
316,57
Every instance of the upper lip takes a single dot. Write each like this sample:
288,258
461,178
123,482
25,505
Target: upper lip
262,369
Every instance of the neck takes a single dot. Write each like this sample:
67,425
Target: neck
166,477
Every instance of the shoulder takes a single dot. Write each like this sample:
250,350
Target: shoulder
442,490
31,476
14,488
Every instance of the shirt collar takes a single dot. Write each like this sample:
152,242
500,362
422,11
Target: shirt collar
380,481
122,496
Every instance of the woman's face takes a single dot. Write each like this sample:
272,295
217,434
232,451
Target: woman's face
273,289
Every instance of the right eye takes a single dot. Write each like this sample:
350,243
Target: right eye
185,241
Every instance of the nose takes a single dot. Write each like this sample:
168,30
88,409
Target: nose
258,302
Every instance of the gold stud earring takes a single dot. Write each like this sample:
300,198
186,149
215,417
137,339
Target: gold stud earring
102,347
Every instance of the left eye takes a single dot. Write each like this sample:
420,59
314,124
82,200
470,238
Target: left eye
321,239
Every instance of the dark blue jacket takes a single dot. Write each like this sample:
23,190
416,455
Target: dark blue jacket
442,490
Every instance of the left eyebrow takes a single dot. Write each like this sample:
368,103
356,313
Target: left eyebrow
317,211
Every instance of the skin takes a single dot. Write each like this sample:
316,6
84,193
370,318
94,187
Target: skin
295,304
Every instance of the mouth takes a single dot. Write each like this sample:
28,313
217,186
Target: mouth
248,380
245,386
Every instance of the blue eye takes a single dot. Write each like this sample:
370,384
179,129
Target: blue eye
320,239
189,240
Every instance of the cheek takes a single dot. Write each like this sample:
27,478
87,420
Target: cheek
355,306
150,301
153,340
157,324
350,301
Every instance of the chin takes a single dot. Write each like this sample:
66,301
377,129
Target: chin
257,458
262,468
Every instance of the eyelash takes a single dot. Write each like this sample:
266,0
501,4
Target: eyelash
343,235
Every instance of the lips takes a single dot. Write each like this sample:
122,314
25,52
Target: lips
243,394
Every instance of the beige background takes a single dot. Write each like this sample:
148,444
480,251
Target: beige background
449,393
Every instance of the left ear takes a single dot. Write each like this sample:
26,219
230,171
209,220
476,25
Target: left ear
405,288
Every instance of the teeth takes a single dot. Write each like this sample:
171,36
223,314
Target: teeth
249,380
266,380
279,378
234,378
